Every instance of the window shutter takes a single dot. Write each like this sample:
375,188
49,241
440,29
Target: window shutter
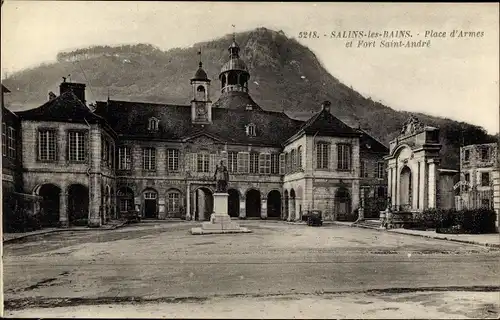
243,162
67,146
332,159
193,160
213,162
188,162
262,163
282,163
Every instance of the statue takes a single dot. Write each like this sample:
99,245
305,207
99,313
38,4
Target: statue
221,177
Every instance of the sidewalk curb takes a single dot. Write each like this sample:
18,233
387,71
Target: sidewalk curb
491,245
64,230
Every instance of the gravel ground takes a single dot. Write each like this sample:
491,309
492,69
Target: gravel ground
154,261
424,305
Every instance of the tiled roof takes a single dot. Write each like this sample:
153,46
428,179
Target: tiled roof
65,108
235,100
326,124
370,144
131,120
200,74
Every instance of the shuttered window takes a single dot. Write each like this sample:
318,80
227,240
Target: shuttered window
232,162
47,145
322,155
265,163
275,163
77,146
203,162
254,162
149,159
243,162
344,157
173,160
282,163
124,158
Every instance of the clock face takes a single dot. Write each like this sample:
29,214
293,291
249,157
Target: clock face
201,110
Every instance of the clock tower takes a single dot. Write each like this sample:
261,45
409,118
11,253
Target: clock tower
201,106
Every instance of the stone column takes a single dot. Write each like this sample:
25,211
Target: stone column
432,183
63,209
423,185
243,212
263,208
94,219
94,186
389,181
361,211
291,209
188,202
395,200
161,208
355,194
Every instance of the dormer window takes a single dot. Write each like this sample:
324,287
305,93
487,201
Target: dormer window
153,124
249,107
250,129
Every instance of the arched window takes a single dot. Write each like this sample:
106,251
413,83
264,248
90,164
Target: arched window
200,93
153,124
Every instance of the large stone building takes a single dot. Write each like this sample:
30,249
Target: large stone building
159,159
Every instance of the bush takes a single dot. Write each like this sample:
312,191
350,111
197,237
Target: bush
451,221
432,218
476,220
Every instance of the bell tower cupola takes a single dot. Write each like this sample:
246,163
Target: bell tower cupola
201,105
234,74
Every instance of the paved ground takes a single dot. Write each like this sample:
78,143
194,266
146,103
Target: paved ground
156,264
490,239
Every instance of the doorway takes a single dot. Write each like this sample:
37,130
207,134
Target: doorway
150,204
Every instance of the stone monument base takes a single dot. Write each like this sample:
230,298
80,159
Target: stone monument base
220,221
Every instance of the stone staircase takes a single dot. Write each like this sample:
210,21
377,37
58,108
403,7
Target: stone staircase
368,223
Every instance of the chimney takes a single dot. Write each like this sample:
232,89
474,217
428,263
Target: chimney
52,96
326,105
77,88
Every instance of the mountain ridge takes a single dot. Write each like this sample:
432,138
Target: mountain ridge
285,76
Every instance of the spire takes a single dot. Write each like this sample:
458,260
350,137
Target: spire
234,49
200,64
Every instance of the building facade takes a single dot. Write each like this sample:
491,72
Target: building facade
416,181
90,166
477,166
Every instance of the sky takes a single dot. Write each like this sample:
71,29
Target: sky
454,77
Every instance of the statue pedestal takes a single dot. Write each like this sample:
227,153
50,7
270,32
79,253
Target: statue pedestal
220,221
